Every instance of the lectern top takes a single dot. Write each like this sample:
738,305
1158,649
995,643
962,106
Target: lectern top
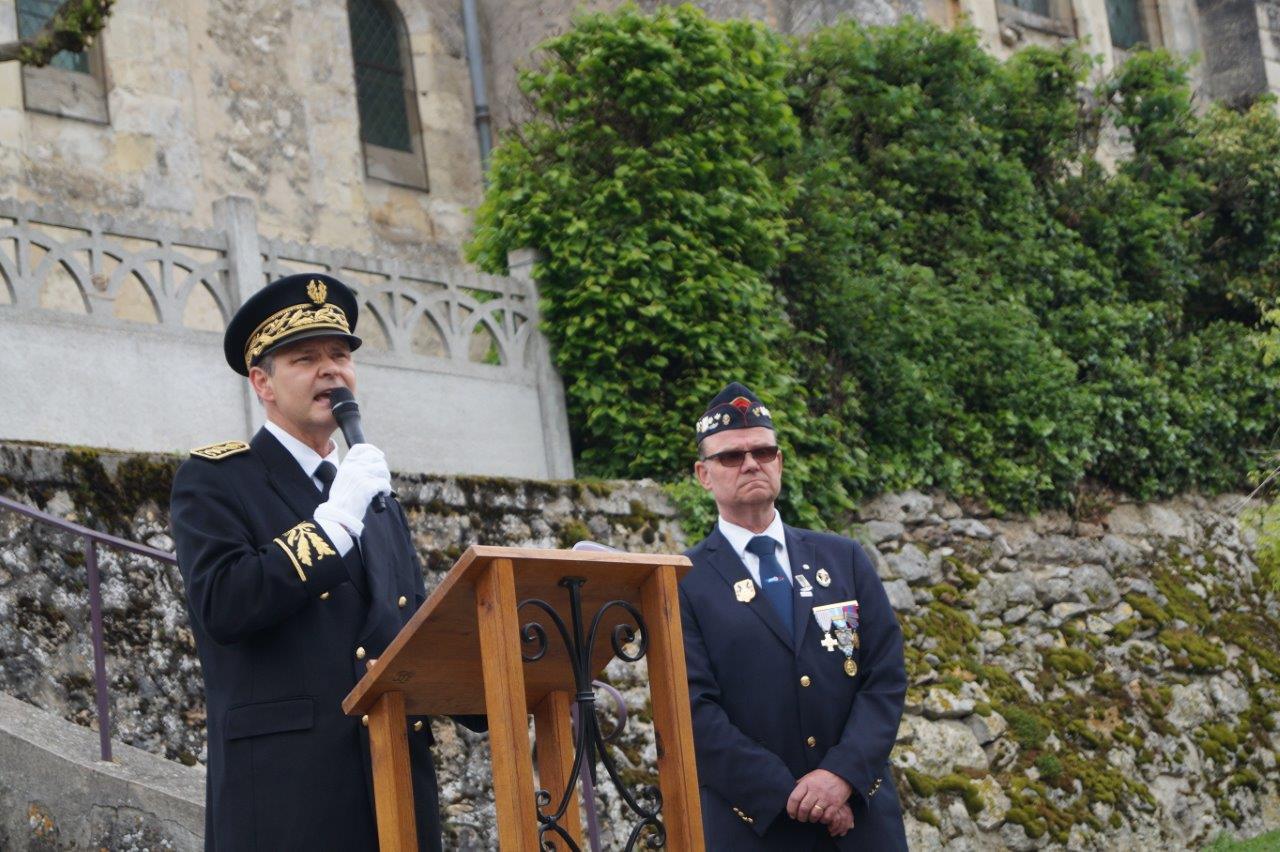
435,659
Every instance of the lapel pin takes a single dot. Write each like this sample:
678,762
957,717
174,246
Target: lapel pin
806,588
823,578
744,591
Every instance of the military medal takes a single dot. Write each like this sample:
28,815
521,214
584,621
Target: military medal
839,623
824,579
744,591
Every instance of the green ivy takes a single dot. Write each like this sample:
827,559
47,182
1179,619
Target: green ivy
647,183
907,247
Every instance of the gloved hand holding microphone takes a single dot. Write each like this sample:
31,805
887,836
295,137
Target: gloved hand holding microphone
362,476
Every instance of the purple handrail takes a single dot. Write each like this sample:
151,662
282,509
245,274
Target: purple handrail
92,538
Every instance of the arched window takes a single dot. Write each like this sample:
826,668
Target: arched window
72,84
390,132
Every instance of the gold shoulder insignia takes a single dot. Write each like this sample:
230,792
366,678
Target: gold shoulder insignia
216,452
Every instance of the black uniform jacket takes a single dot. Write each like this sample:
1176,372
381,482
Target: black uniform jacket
770,707
283,626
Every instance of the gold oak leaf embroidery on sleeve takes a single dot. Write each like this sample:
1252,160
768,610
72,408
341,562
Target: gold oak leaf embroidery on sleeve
300,543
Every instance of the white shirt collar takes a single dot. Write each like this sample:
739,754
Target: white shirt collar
740,537
307,458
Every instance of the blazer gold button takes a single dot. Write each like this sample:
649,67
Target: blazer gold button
403,601
324,596
364,720
359,653
804,680
812,741
417,726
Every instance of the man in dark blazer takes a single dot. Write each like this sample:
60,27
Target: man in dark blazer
293,588
796,673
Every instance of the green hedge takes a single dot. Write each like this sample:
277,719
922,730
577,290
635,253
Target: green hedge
907,247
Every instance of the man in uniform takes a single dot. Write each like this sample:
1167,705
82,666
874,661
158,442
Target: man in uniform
796,673
293,587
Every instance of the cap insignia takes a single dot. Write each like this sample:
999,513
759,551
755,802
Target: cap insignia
741,403
292,320
317,291
215,452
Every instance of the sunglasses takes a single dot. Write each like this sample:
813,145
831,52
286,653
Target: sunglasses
735,458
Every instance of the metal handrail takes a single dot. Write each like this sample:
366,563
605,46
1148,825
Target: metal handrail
92,538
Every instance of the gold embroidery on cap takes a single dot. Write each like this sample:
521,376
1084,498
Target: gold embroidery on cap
317,291
290,321
300,542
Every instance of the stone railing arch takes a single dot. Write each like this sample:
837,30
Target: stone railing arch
125,297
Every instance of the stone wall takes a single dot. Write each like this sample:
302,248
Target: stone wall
1104,680
55,792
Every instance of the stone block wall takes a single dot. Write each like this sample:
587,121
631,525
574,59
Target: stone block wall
1104,680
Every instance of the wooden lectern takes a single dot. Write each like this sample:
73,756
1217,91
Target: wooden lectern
461,653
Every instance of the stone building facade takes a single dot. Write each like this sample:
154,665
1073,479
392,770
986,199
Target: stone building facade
183,103
1237,42
200,100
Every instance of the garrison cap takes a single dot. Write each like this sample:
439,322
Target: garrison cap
735,407
293,308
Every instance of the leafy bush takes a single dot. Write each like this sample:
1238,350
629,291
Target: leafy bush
909,249
646,184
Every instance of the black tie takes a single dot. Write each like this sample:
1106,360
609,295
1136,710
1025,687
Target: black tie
325,473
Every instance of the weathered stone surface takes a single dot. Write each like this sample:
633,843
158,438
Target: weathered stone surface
1152,520
55,792
987,728
910,507
922,837
941,747
1190,707
878,531
900,597
912,565
998,592
941,703
995,804
970,527
1229,696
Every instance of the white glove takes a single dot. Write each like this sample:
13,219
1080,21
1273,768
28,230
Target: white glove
362,475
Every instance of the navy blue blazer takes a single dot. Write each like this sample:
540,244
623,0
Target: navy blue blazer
283,626
769,707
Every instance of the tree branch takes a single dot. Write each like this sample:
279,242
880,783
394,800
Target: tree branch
72,27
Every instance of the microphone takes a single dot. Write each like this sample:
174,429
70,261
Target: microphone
345,410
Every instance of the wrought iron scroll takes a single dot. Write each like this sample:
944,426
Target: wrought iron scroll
630,643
